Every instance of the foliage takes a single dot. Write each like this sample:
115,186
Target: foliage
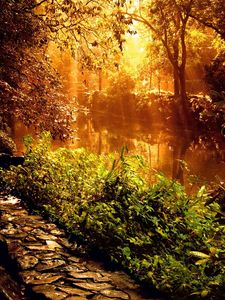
121,84
211,13
29,87
88,28
158,233
215,73
6,144
216,81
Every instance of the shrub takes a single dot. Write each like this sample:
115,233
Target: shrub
156,232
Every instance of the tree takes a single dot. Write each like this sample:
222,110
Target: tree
210,13
215,74
168,21
30,88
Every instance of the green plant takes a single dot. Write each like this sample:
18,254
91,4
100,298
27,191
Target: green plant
156,232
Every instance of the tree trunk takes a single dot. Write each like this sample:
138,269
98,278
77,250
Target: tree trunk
176,83
185,110
100,79
179,152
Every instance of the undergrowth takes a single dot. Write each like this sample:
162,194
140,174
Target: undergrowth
159,234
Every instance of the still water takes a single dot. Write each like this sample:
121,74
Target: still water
163,148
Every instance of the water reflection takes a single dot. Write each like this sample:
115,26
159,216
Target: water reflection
163,149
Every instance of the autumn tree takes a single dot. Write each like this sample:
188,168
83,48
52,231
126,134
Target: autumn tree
210,13
30,88
168,21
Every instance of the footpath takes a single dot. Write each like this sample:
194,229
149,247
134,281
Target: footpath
44,264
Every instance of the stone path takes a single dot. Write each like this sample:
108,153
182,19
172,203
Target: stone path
45,264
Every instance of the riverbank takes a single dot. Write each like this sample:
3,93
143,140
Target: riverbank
156,232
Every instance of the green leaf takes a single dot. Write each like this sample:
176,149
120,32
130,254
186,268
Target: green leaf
126,252
202,261
201,192
204,293
199,254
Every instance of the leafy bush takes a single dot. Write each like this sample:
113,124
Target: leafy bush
6,144
158,233
215,74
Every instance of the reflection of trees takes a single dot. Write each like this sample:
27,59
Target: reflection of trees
163,149
179,151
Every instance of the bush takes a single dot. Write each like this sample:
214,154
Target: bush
215,74
156,232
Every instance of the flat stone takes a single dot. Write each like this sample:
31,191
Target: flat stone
27,228
32,218
76,298
29,239
93,286
62,252
100,297
46,237
115,294
20,235
49,265
104,279
39,247
13,232
37,232
74,291
95,266
49,292
14,247
64,242
74,259
35,278
7,217
58,232
37,224
20,212
10,200
27,262
49,226
28,276
48,256
45,280
75,268
85,275
52,245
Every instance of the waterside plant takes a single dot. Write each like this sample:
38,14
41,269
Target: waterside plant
158,233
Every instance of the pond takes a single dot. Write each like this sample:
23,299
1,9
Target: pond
164,149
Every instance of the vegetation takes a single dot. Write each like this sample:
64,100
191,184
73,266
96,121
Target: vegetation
162,236
211,13
94,32
7,145
31,90
159,234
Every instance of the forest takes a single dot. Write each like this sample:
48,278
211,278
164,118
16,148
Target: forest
112,124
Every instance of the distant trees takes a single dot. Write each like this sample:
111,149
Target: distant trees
168,21
94,31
